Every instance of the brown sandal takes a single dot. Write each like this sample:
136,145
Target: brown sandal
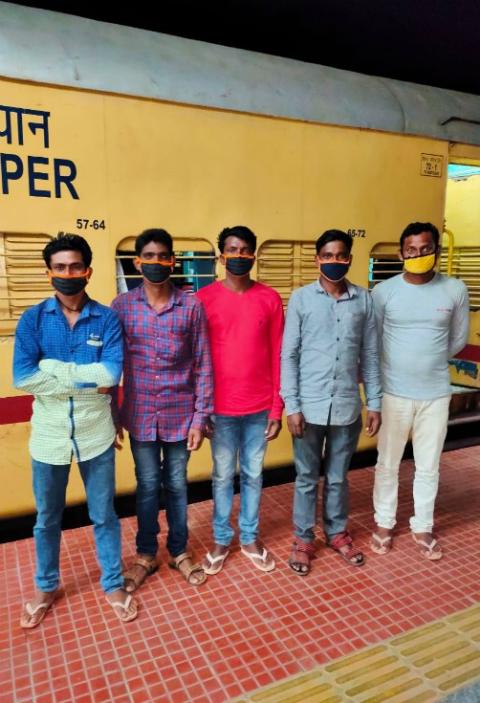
352,556
299,567
187,570
136,577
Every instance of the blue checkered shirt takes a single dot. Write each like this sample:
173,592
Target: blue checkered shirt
63,368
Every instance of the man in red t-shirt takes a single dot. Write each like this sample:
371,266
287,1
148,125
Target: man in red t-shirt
245,325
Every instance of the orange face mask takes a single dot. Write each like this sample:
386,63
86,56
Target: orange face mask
69,283
155,271
151,262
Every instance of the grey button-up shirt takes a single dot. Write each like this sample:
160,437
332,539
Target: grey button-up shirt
329,345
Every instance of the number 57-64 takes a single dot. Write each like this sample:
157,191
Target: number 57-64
90,224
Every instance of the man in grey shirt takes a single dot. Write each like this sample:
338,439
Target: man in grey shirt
422,319
330,337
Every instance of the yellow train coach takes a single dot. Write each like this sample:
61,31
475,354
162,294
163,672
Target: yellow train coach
108,130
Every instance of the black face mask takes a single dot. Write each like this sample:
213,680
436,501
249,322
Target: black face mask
334,271
239,265
156,273
69,286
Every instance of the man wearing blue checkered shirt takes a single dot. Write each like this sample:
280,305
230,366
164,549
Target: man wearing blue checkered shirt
68,353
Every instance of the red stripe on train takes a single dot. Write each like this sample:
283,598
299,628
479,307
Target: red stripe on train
15,409
18,408
471,353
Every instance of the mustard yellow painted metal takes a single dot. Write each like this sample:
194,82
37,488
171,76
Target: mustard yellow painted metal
462,211
144,163
451,244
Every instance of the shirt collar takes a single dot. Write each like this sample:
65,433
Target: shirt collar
52,305
175,299
351,291
90,308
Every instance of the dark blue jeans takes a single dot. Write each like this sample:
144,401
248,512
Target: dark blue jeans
340,444
160,464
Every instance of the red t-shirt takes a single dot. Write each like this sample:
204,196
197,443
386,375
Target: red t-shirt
245,331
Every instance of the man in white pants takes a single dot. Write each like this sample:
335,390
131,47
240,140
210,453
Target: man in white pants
422,320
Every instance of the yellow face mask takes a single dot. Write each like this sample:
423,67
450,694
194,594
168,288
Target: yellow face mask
419,264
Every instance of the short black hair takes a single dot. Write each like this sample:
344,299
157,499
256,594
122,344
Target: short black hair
334,235
160,236
418,228
240,231
68,242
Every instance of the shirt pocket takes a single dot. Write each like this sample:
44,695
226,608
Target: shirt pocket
91,343
353,326
178,346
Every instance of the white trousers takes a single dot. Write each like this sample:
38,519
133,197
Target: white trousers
427,421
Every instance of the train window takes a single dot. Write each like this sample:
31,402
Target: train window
286,265
194,267
384,263
22,276
465,265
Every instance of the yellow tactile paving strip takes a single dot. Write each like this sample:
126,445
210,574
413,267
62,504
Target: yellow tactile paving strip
423,665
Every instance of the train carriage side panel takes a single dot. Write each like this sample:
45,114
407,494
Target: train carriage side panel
142,163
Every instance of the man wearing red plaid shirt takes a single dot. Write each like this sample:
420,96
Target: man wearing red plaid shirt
168,396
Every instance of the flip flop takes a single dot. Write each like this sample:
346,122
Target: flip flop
218,560
383,544
121,609
42,608
427,550
259,560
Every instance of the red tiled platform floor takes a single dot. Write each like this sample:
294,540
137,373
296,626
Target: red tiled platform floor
243,629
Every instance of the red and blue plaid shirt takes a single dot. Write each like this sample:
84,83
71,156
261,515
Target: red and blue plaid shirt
167,374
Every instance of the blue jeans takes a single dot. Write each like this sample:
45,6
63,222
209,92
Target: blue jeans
237,439
49,486
340,444
161,463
